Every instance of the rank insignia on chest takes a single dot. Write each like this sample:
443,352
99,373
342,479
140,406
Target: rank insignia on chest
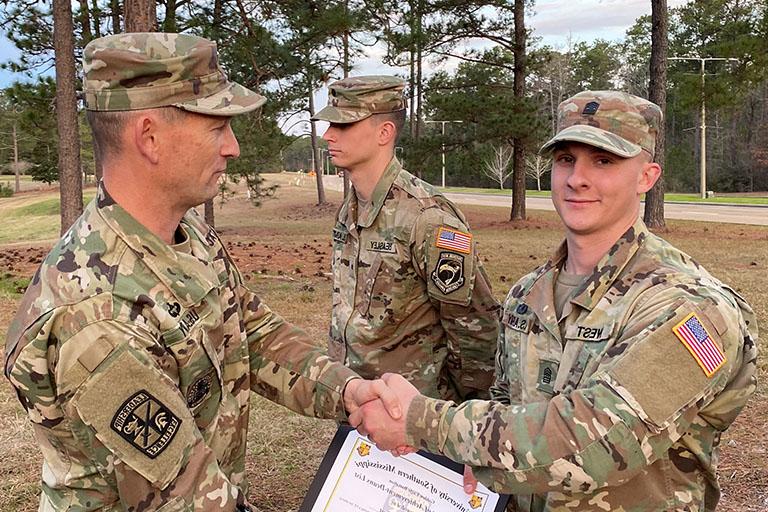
692,333
454,240
382,246
147,424
340,235
546,379
448,275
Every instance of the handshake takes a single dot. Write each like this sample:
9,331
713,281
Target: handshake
379,409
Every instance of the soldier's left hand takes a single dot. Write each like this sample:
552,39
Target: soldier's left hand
372,419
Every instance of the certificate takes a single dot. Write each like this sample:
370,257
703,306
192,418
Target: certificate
357,477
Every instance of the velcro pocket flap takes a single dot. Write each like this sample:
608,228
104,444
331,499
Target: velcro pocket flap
659,377
138,414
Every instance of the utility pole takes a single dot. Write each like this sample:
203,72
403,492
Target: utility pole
703,126
442,144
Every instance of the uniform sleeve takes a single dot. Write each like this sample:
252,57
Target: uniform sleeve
127,426
445,254
288,367
619,422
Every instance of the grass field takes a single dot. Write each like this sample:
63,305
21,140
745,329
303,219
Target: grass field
288,263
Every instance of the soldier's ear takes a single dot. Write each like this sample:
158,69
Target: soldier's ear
649,175
144,132
387,133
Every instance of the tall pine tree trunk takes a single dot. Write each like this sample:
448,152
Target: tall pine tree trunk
318,167
346,67
140,16
71,189
657,93
518,151
116,12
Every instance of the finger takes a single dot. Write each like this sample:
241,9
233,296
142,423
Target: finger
356,418
389,398
470,482
395,452
405,450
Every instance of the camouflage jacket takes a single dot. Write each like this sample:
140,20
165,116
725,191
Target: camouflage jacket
623,412
410,295
135,364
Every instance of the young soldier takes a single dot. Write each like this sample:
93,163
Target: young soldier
409,291
137,344
621,360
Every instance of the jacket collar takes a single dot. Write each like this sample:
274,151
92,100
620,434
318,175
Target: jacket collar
189,277
540,296
349,211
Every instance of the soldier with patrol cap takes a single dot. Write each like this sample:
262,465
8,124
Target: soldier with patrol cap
621,360
409,292
137,343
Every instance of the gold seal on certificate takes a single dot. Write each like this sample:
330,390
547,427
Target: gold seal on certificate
357,477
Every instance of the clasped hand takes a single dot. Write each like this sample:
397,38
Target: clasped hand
379,408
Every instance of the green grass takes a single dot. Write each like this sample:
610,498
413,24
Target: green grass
33,220
13,286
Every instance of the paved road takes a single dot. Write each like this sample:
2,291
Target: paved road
757,215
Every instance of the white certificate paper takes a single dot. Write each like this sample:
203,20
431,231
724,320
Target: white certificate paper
362,478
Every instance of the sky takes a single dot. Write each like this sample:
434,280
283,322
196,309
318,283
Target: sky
554,21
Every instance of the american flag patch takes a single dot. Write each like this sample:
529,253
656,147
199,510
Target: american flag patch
454,240
699,343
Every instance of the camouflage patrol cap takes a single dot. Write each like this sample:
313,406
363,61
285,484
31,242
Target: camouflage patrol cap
135,71
615,121
355,98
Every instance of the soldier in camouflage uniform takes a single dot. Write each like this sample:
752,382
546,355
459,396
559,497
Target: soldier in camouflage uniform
137,344
621,361
409,292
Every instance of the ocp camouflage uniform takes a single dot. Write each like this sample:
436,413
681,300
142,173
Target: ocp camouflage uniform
135,363
410,295
135,359
406,301
620,404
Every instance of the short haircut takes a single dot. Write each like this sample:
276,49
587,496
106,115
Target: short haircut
397,118
108,127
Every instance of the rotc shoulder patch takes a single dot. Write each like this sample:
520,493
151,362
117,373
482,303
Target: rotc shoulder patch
147,424
448,275
692,333
454,240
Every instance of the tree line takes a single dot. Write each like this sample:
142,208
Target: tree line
496,106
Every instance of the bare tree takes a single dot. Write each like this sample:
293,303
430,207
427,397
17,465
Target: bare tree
496,166
71,187
536,167
657,93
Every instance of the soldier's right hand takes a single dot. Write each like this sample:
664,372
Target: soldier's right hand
360,391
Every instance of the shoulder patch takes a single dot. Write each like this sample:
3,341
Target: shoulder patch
453,240
448,275
692,333
147,424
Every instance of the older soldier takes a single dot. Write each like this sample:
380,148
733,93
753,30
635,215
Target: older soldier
621,360
409,292
137,344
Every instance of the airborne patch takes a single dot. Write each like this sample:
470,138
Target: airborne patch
448,275
199,389
147,424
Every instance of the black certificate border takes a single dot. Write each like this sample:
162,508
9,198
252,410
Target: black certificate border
333,452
